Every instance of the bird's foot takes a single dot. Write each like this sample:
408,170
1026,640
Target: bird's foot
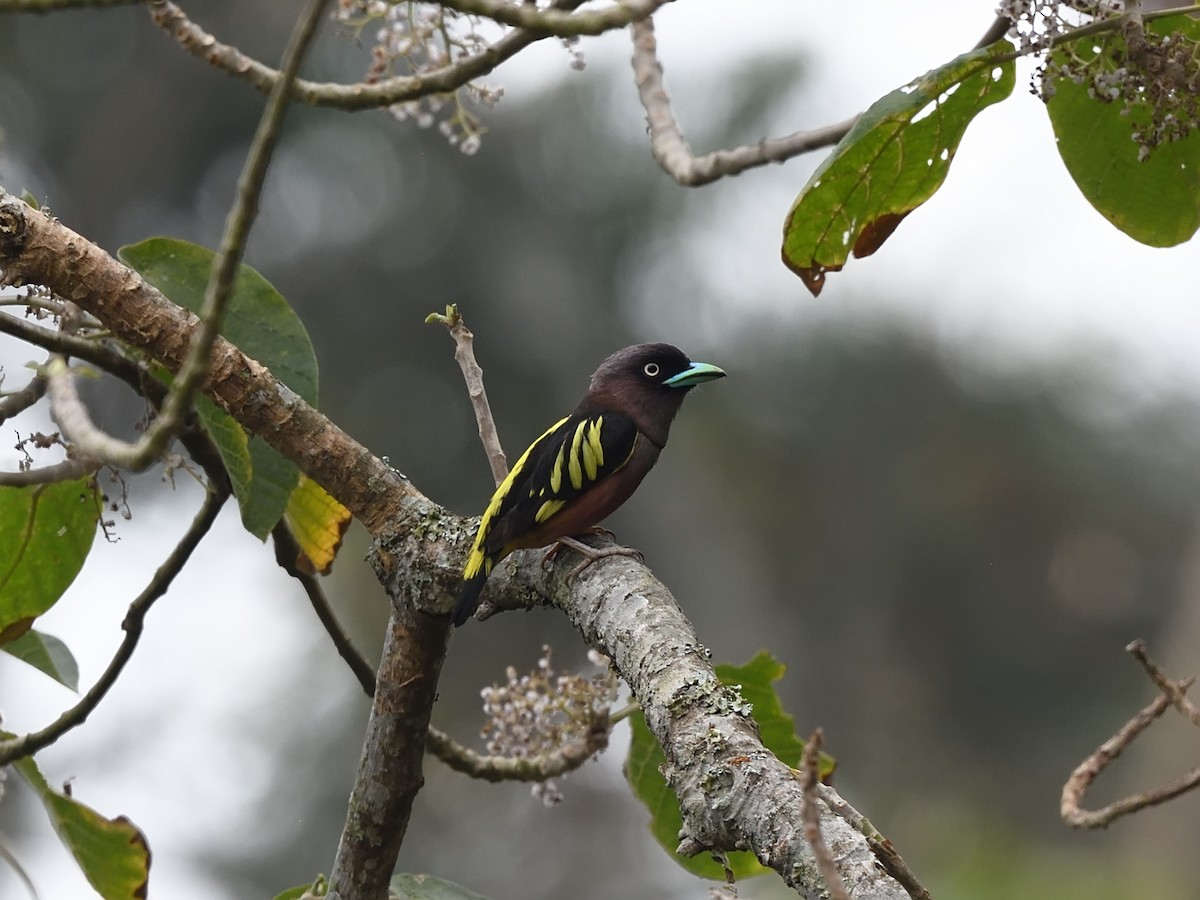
589,554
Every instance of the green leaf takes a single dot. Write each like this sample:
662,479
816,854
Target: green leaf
260,322
46,531
642,770
1157,201
47,653
111,852
777,728
426,887
891,161
642,766
317,888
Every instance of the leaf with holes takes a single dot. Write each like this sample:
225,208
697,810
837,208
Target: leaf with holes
1156,200
893,160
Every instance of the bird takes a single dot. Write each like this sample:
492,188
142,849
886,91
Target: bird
587,463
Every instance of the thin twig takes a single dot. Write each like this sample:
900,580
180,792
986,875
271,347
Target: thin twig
237,230
105,355
66,470
20,400
998,29
46,6
670,149
286,553
360,95
1077,785
99,353
464,353
810,777
143,453
555,22
891,861
19,747
512,768
1137,649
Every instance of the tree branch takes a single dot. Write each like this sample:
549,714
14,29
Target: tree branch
514,768
810,777
360,95
733,792
1077,785
464,355
64,471
556,22
16,748
151,445
47,6
18,401
286,553
36,249
670,149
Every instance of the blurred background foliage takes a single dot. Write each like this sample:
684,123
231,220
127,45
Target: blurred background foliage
949,558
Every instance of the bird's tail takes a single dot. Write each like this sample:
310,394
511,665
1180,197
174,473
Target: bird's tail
468,598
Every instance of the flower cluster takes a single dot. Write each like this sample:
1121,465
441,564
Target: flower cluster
539,713
1156,75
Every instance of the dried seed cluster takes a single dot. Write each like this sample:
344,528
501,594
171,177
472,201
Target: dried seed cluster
538,713
417,38
1156,75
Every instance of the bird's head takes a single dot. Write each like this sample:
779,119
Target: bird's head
647,382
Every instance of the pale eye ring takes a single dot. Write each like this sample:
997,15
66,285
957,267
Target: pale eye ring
651,369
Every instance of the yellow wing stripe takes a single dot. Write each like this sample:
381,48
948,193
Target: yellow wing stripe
593,437
573,461
478,560
547,509
556,471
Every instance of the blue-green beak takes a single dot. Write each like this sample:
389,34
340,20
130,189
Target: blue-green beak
694,374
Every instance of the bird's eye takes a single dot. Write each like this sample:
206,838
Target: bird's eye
651,369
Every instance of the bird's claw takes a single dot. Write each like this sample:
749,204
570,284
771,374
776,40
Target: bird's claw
601,554
589,554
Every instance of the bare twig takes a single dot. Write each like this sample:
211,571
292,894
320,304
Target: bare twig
46,6
464,353
669,147
360,95
1137,649
556,22
810,777
88,349
63,471
16,748
1077,785
512,768
20,400
998,29
882,847
286,553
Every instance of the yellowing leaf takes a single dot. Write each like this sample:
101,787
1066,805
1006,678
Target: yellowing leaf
319,523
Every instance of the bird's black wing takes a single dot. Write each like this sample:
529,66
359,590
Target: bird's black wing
571,456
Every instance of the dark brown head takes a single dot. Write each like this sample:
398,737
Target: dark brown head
647,382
